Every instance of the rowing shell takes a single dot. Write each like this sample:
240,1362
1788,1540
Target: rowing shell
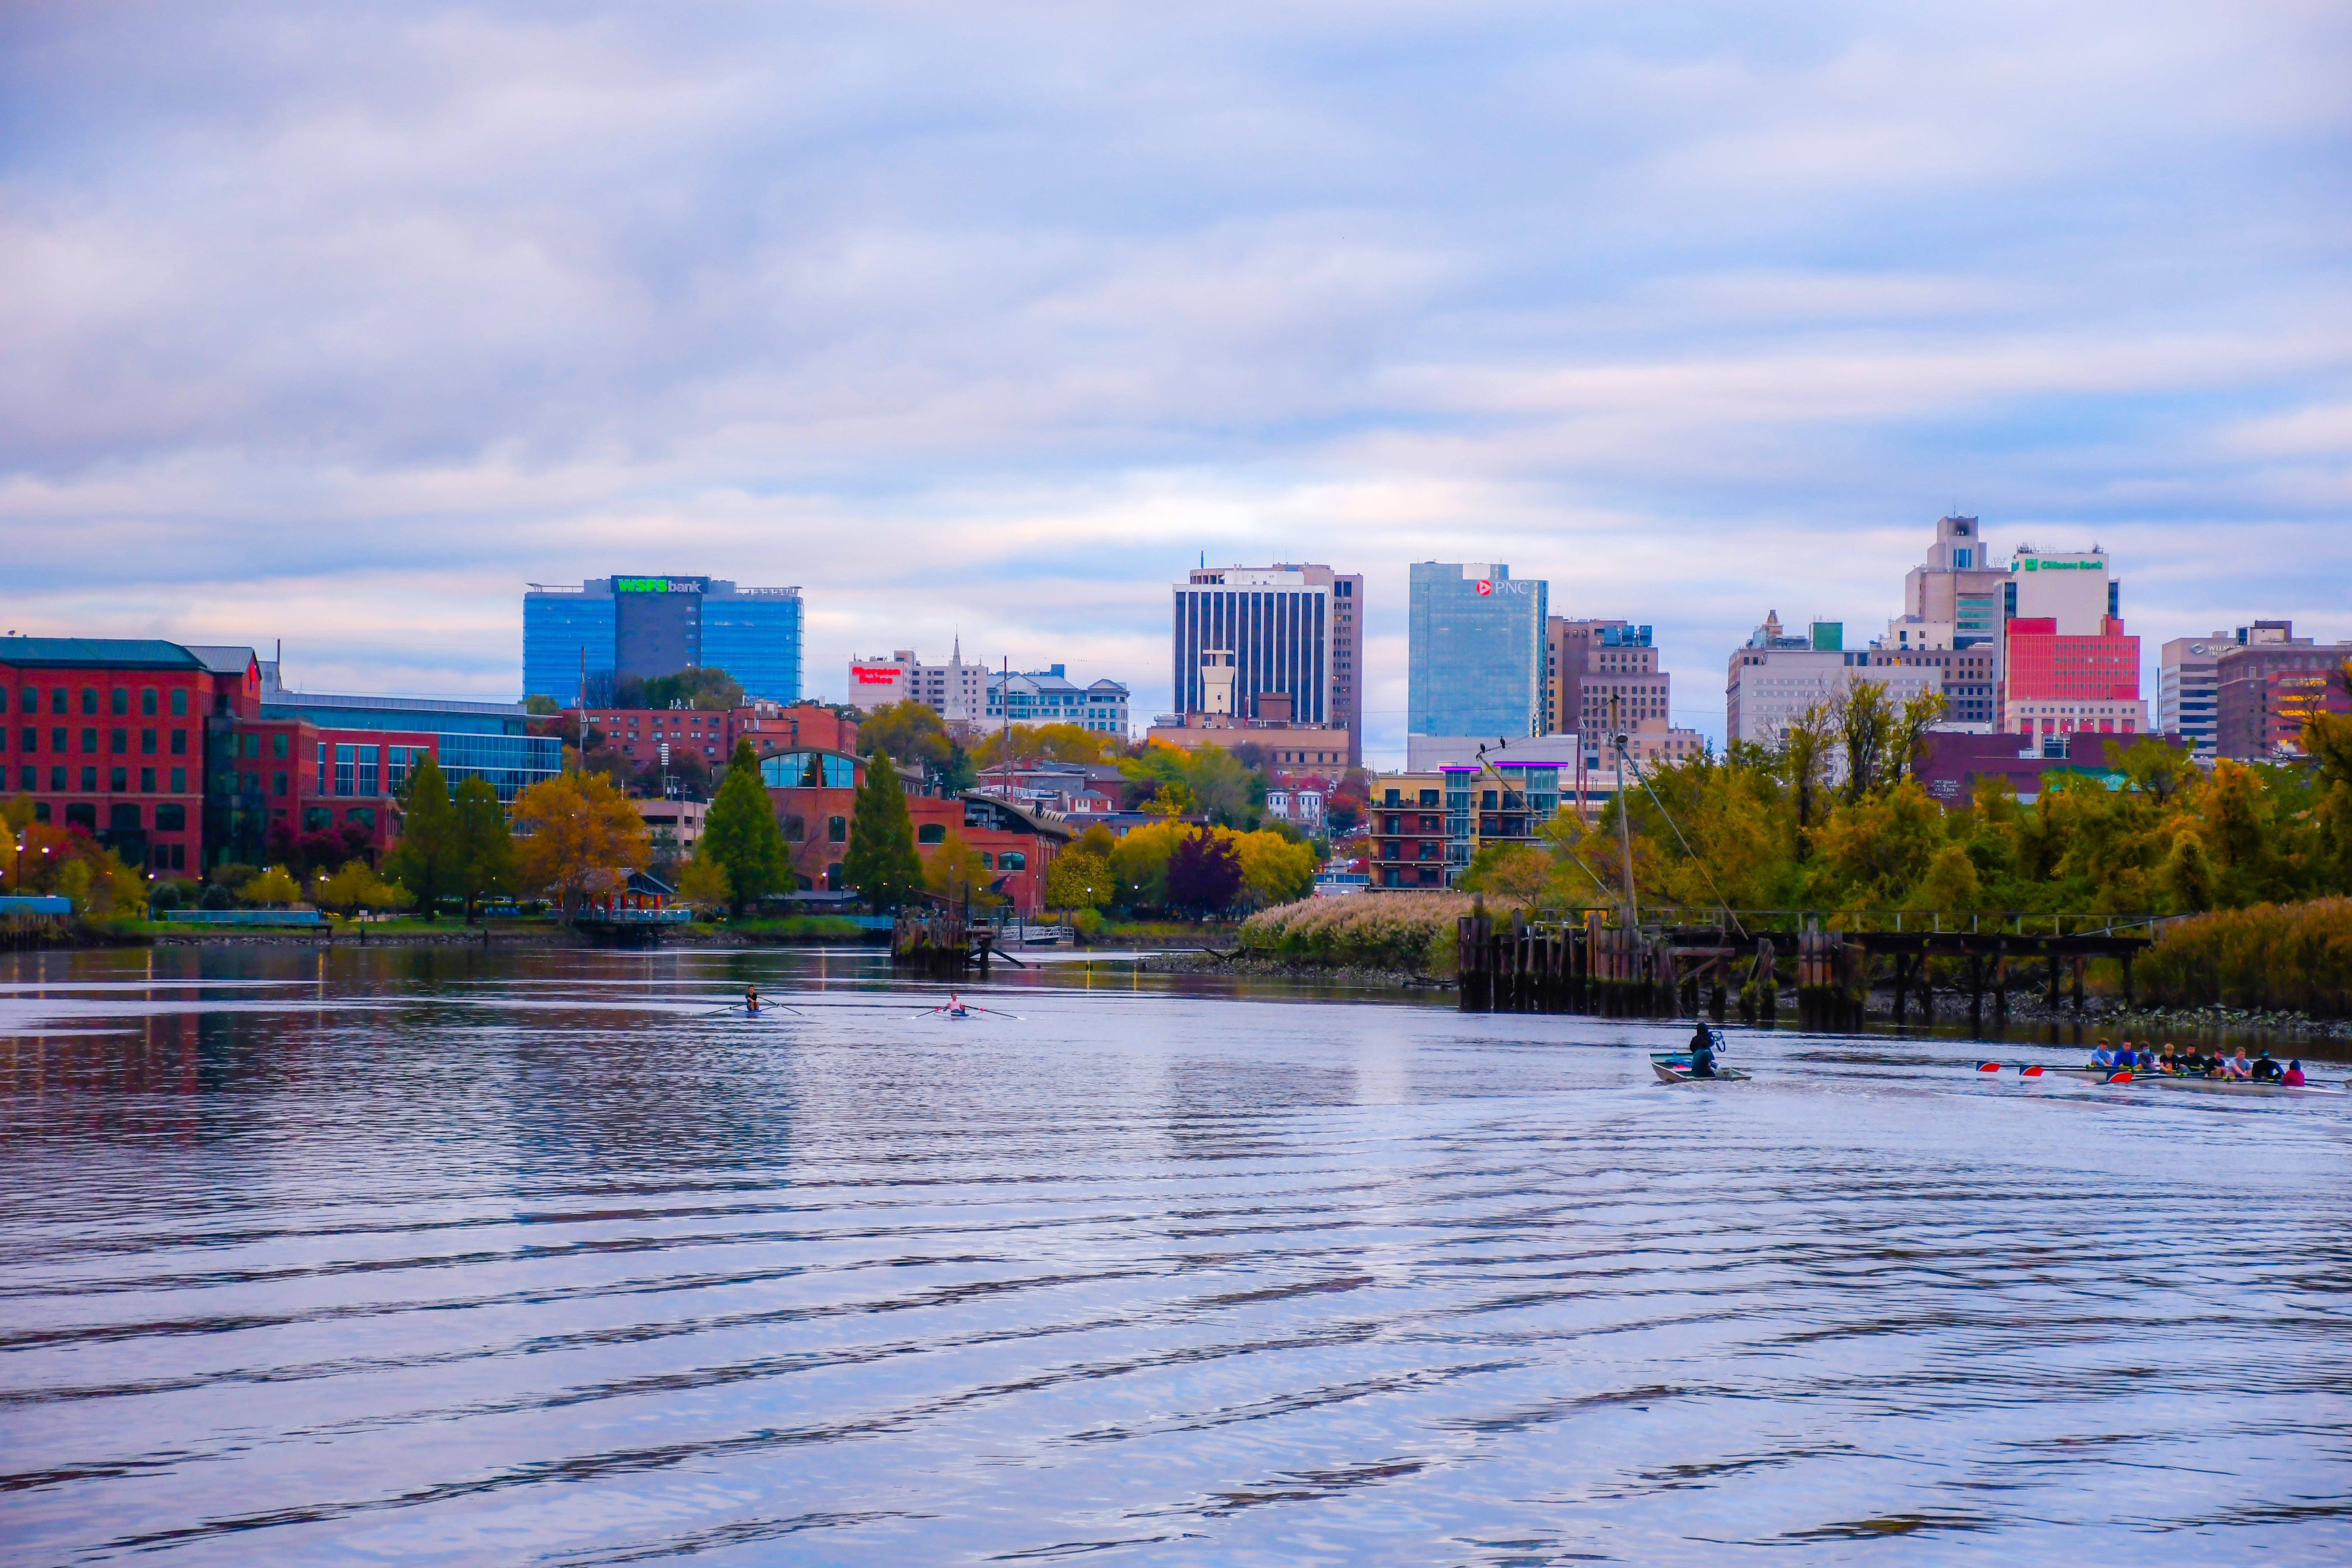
1676,1069
2123,1076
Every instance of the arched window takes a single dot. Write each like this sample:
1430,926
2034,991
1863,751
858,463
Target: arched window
1013,860
795,829
931,833
987,860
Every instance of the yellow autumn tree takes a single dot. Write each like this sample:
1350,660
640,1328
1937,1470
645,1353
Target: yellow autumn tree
576,835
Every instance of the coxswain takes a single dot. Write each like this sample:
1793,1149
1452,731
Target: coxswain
2265,1071
2294,1078
1702,1052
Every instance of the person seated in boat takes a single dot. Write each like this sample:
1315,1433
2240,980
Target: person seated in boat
1702,1052
2165,1061
751,999
2265,1071
2238,1067
956,1009
2104,1057
2125,1057
2293,1076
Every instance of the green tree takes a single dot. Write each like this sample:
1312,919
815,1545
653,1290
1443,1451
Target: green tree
427,860
740,835
273,888
954,872
882,862
705,689
484,861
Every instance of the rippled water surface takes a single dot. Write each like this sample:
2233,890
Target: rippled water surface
526,1259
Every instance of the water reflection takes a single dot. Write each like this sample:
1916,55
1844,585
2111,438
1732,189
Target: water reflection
443,1256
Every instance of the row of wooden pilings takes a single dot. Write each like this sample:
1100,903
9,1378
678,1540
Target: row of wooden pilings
1617,972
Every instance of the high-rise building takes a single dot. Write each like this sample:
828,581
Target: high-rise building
1477,651
2068,666
957,691
2267,681
1271,645
1953,617
623,628
2185,689
1587,662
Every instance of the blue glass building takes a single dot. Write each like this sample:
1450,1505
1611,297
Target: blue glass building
614,628
1477,651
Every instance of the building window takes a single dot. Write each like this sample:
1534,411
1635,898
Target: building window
367,770
344,763
280,745
122,819
931,833
83,814
147,746
58,700
832,876
89,743
395,768
249,745
179,780
146,780
118,780
795,829
147,702
1012,860
317,818
119,741
179,702
277,784
836,831
58,779
122,701
360,816
179,742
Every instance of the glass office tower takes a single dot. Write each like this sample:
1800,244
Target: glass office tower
1477,651
637,628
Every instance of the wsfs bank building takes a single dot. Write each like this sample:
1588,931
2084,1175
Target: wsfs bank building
639,628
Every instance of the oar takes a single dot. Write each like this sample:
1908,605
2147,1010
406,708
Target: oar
2035,1069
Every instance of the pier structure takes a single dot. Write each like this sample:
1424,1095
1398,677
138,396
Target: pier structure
1594,962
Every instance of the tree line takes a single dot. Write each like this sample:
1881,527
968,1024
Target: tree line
1834,816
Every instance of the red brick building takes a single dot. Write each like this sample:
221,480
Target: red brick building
2263,690
114,735
813,793
639,733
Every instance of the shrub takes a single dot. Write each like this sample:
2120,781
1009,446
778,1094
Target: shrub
1393,930
2271,955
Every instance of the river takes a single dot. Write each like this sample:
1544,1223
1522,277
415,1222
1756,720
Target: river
441,1256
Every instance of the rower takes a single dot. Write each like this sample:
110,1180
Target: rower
956,1008
1702,1049
751,999
2125,1057
2237,1066
2103,1057
2265,1071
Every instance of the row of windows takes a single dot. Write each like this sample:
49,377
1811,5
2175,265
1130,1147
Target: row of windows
29,700
150,741
118,780
123,816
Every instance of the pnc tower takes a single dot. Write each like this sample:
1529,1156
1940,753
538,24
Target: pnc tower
625,628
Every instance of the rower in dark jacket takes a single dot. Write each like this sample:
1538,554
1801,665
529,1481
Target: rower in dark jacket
1702,1049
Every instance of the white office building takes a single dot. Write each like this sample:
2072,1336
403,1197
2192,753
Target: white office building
1773,679
2187,690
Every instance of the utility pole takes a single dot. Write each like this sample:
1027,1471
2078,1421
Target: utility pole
1004,734
1625,823
582,765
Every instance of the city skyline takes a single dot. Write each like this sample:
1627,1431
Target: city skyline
345,339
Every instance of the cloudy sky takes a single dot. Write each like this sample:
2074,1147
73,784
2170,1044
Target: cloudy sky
340,323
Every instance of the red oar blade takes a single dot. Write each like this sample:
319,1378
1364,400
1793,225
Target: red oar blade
2124,1075
2031,1069
1987,1067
